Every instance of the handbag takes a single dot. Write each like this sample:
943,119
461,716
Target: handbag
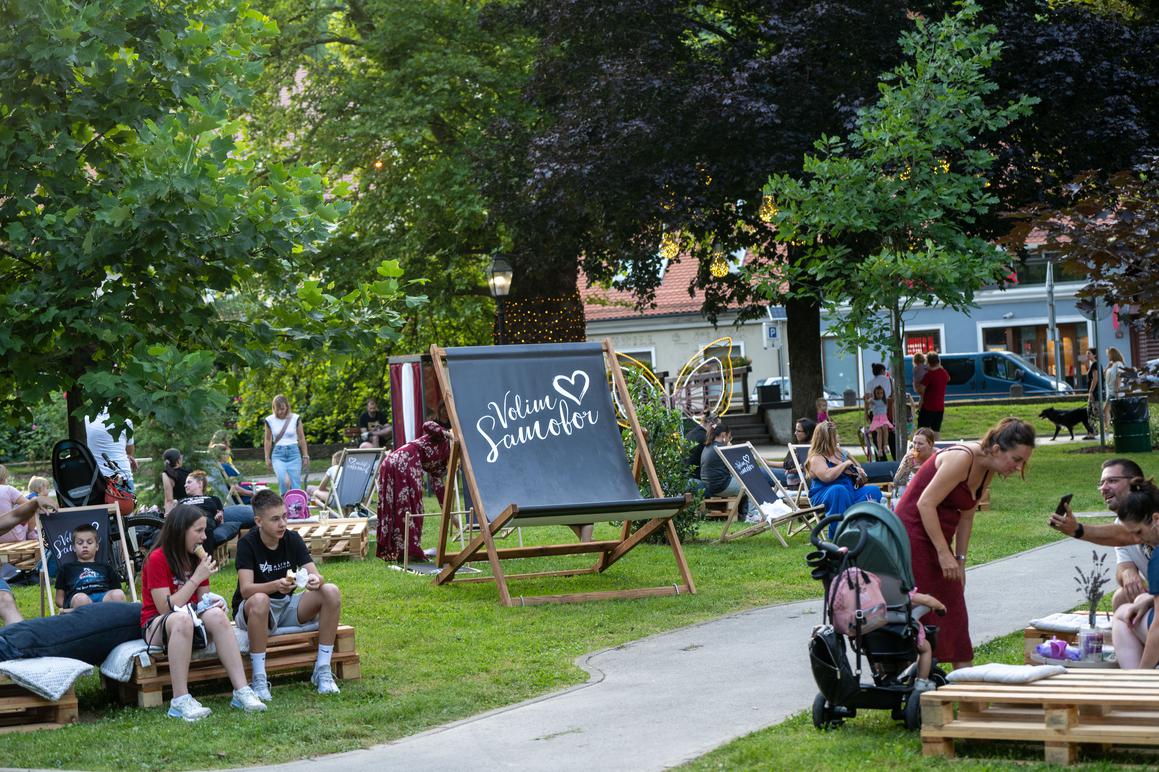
117,492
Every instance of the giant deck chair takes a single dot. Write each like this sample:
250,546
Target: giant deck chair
56,539
764,490
353,485
535,433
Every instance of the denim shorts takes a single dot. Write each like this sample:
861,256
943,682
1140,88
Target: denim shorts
4,587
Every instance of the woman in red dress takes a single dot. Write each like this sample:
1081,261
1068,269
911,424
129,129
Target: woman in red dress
400,491
937,510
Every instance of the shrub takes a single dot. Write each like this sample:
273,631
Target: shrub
663,426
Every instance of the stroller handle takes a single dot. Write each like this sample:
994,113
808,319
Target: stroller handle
828,546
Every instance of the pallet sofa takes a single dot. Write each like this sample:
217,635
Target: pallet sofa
148,683
23,711
340,537
1104,708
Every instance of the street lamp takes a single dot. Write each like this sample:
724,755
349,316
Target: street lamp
499,282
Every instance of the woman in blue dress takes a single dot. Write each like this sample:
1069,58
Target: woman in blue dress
833,475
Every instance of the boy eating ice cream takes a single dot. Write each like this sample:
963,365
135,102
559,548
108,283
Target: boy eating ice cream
268,558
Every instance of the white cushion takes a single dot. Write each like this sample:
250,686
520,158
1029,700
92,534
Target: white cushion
997,673
48,677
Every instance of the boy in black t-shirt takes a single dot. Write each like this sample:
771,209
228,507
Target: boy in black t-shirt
267,558
86,581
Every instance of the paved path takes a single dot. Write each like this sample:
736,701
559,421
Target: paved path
663,700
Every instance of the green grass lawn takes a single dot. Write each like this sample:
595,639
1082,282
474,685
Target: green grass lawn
435,654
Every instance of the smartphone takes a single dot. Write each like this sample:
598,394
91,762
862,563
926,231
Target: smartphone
1063,503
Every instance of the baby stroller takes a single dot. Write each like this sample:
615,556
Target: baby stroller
872,539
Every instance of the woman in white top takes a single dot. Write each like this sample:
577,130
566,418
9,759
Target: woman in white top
1113,379
285,444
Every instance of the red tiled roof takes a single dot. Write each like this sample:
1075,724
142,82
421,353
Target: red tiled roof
671,296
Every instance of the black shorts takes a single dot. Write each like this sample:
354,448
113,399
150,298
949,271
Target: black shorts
931,419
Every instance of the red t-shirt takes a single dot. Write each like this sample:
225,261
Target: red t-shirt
935,394
156,574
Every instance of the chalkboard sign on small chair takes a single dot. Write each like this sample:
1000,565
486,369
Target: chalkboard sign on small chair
536,436
56,539
766,495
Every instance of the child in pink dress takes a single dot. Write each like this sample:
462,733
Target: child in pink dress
880,425
822,410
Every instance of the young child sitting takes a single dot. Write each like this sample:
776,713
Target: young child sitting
925,654
822,406
320,493
267,559
84,580
40,488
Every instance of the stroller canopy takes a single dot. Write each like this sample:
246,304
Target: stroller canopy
886,551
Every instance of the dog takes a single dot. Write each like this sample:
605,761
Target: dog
1069,419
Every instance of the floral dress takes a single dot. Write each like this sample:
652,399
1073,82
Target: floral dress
400,490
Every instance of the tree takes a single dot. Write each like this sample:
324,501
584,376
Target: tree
657,122
396,97
885,217
142,238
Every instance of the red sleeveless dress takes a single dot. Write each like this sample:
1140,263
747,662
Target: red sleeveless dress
954,628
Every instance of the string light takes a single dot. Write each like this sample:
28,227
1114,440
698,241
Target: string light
552,319
670,245
719,267
378,164
768,209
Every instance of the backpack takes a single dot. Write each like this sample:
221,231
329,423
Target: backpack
856,603
297,504
831,671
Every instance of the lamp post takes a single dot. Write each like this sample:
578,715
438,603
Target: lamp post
499,282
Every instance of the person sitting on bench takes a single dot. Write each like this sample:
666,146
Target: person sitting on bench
176,575
9,613
84,580
268,557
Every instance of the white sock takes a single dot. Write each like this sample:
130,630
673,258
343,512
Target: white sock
258,661
324,654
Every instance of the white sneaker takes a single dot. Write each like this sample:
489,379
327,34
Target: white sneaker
324,680
261,687
245,699
187,708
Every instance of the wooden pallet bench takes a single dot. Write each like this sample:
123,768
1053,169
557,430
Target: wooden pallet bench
1103,708
343,537
23,711
21,554
149,685
721,506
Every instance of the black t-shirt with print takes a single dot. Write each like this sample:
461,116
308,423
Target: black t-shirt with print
89,578
210,505
269,564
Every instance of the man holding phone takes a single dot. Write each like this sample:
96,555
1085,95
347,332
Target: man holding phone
1132,557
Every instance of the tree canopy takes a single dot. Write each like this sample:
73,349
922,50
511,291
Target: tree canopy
139,232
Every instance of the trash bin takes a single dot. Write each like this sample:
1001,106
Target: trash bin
1132,421
849,397
768,394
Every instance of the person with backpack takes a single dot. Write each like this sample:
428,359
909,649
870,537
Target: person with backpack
285,445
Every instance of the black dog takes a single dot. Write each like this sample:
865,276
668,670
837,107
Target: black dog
1068,419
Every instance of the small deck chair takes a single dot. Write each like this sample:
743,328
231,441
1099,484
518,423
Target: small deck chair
353,486
536,435
764,490
56,532
798,454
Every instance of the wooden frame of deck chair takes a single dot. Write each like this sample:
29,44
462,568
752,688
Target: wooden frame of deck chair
353,485
762,487
56,535
536,436
798,453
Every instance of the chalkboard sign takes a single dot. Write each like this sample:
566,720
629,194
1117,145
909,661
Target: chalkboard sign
356,471
539,426
750,469
56,534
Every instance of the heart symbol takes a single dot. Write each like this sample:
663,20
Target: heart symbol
571,381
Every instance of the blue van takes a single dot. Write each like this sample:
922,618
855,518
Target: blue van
991,374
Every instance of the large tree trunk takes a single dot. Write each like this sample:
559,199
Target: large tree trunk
897,366
804,348
73,399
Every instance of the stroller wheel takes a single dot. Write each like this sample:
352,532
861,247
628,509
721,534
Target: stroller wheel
823,718
938,676
913,711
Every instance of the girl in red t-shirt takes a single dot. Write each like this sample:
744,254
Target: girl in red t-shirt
176,574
